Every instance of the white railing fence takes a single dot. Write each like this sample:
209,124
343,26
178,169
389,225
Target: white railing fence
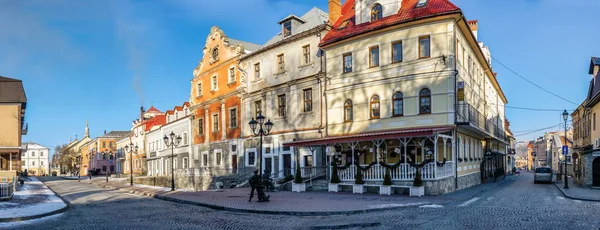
402,173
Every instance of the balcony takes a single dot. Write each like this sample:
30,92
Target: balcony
24,129
469,117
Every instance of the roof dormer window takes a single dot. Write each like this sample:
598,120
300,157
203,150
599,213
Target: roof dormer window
421,3
287,28
376,12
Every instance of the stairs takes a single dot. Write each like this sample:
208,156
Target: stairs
318,185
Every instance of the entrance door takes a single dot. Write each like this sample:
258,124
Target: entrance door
268,165
287,164
234,164
596,172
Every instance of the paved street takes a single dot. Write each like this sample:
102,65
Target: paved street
517,204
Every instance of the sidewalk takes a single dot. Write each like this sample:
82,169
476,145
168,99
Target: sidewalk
32,200
300,204
578,193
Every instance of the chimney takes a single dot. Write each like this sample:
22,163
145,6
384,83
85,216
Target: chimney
335,10
104,132
473,26
142,113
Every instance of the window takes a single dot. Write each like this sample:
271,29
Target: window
344,24
348,110
397,52
375,110
200,126
398,104
376,12
233,118
185,138
374,56
421,3
594,121
232,74
424,49
204,159
214,83
215,122
306,54
42,163
425,101
287,28
103,168
280,63
251,158
215,53
33,163
257,70
257,108
469,65
33,154
22,163
185,162
103,145
281,105
41,154
347,62
233,148
286,148
307,100
218,156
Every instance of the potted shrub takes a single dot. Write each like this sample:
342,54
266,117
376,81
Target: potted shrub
335,180
298,185
417,189
358,182
386,188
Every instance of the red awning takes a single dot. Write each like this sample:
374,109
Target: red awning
414,132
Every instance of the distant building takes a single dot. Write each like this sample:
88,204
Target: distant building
35,159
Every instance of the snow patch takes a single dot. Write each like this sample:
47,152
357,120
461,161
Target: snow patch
36,190
469,202
395,205
431,206
560,198
27,222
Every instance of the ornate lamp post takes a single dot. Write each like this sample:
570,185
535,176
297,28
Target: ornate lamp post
263,130
565,117
107,155
131,148
174,141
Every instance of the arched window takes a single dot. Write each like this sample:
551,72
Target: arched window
348,111
398,104
425,101
376,12
215,53
375,107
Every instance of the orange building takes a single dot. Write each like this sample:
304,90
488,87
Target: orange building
215,102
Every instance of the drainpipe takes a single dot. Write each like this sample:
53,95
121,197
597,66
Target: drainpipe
456,109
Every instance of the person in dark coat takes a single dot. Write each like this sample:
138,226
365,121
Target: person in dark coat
253,184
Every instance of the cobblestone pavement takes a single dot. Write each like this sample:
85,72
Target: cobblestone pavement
578,193
516,204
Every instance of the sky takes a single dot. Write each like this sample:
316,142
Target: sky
100,60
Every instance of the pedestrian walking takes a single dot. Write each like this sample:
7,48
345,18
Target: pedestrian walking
253,184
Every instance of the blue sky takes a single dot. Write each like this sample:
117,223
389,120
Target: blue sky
100,60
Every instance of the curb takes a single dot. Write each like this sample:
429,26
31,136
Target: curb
239,210
572,197
64,209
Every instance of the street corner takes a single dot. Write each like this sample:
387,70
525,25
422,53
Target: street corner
32,200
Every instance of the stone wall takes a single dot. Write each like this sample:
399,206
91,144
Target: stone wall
439,187
469,180
587,164
196,183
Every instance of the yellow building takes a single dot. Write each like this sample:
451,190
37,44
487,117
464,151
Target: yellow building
13,103
98,155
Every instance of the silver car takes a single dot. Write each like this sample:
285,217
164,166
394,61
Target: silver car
542,174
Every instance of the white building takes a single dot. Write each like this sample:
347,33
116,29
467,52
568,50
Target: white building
35,159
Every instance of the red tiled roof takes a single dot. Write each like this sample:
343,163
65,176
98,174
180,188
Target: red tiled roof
414,132
178,108
152,109
157,120
170,112
186,104
408,12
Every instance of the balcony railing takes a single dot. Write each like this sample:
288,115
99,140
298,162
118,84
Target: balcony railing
24,129
466,113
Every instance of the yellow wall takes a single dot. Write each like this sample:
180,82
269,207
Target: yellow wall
10,125
595,130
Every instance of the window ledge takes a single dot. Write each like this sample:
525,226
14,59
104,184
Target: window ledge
230,128
306,65
280,73
279,118
255,81
231,82
214,90
307,113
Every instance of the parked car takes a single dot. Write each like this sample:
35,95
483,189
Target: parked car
542,174
518,171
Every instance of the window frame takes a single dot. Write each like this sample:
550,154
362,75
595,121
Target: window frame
232,77
376,15
215,122
307,102
306,54
257,70
184,136
375,47
375,99
394,100
281,105
421,101
348,107
401,51
344,69
281,63
428,46
257,108
233,118
285,31
200,126
214,83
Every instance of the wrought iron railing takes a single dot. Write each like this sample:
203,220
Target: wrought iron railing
467,113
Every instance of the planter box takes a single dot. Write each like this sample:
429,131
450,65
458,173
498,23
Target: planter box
358,188
334,187
385,190
417,191
298,187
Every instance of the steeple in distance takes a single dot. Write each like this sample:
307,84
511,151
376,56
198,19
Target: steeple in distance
87,130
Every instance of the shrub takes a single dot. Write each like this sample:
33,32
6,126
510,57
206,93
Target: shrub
358,177
418,181
298,176
334,175
387,179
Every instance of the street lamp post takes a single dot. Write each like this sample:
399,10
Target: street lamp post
79,168
133,148
263,130
565,117
107,171
174,141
